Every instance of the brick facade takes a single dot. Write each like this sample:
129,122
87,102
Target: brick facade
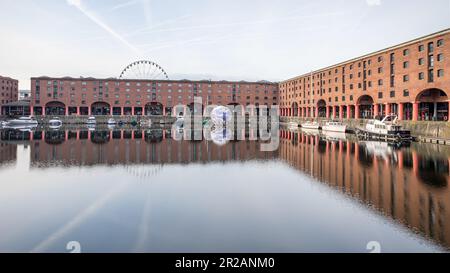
411,80
9,91
88,96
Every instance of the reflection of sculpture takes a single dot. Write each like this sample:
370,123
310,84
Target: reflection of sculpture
220,116
221,136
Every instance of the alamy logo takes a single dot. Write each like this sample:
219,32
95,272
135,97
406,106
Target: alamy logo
374,247
221,124
73,247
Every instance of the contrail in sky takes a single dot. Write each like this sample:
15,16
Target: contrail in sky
93,17
124,5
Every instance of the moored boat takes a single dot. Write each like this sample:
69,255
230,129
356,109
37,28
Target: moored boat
334,126
91,121
385,129
22,121
111,121
293,126
55,123
311,125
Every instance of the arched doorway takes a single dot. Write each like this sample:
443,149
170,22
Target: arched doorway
154,109
322,108
55,108
365,107
433,105
294,110
100,109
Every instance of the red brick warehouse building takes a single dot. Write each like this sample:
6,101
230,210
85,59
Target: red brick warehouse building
9,91
89,96
411,80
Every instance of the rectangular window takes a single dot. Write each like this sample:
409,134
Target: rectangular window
380,95
440,73
440,42
421,76
430,48
431,61
406,93
431,75
405,65
421,61
406,52
421,48
392,94
405,78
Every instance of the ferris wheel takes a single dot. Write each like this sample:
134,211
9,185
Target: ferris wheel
144,70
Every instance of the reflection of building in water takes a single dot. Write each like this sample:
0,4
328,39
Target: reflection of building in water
8,153
410,188
132,147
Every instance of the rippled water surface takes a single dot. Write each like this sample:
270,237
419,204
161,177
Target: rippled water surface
141,191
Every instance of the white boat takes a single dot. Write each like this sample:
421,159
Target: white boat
91,121
311,125
334,126
23,121
21,127
311,132
293,126
111,121
55,123
385,129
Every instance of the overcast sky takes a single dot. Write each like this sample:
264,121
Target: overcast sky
197,39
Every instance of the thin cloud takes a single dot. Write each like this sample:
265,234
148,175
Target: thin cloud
158,25
93,17
147,11
243,23
371,3
124,5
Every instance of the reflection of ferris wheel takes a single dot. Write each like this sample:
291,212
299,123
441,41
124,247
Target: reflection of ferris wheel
144,70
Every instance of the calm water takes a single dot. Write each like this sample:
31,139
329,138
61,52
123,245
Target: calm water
141,191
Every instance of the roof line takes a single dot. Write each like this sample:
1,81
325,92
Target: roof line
442,32
262,82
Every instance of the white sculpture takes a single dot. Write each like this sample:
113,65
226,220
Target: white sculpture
220,116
